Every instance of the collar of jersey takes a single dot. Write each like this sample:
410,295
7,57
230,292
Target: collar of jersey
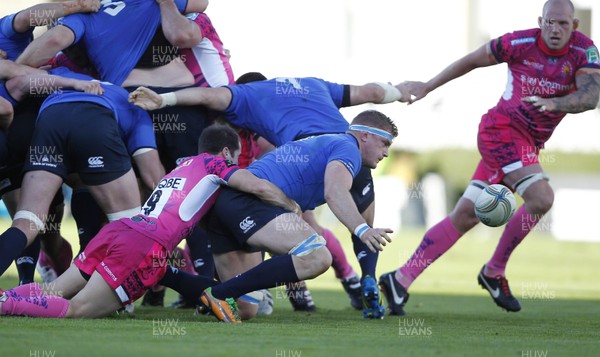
554,53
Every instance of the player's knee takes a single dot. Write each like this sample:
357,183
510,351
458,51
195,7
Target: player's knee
463,216
313,254
541,204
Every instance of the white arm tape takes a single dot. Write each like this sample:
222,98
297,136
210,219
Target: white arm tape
30,216
392,93
142,151
168,99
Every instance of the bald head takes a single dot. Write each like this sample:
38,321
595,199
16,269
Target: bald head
557,23
566,4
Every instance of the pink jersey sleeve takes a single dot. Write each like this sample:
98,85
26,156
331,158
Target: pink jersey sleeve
509,47
588,57
220,166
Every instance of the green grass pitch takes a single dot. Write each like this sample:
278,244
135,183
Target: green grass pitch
448,314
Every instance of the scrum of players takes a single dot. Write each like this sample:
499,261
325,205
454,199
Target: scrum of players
67,120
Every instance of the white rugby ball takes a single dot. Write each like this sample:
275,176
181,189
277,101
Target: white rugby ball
495,205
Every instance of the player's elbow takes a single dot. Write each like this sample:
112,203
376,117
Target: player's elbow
196,6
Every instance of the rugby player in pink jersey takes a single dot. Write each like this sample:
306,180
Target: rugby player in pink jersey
552,70
130,255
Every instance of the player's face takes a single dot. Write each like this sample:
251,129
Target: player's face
236,156
375,149
557,24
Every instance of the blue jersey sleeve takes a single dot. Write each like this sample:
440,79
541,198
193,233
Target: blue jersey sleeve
12,42
4,94
75,23
181,5
347,153
141,131
6,28
337,93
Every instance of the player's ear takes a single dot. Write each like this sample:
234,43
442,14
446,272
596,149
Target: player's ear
575,24
226,153
540,21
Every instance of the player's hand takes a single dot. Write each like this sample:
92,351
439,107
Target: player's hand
543,104
376,238
416,90
92,87
406,97
145,98
297,210
3,55
89,5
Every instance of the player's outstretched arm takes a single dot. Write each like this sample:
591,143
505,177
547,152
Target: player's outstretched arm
44,14
379,93
585,98
481,57
44,48
338,182
178,29
213,98
32,84
245,181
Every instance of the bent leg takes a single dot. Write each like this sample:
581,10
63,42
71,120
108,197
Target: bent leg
96,299
538,201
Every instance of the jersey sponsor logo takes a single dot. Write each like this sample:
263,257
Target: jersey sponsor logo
592,55
366,189
182,159
175,183
521,41
96,161
532,63
81,257
247,224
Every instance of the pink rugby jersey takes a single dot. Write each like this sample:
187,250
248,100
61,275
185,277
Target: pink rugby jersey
534,69
181,199
207,61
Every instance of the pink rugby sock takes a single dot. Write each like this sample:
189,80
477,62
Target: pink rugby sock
517,228
36,306
340,264
437,240
28,290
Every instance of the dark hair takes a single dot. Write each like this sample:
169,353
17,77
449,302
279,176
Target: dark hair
216,137
250,77
376,119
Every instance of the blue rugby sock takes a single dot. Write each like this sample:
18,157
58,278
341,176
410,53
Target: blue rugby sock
88,216
12,242
202,258
268,274
366,259
27,260
188,285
